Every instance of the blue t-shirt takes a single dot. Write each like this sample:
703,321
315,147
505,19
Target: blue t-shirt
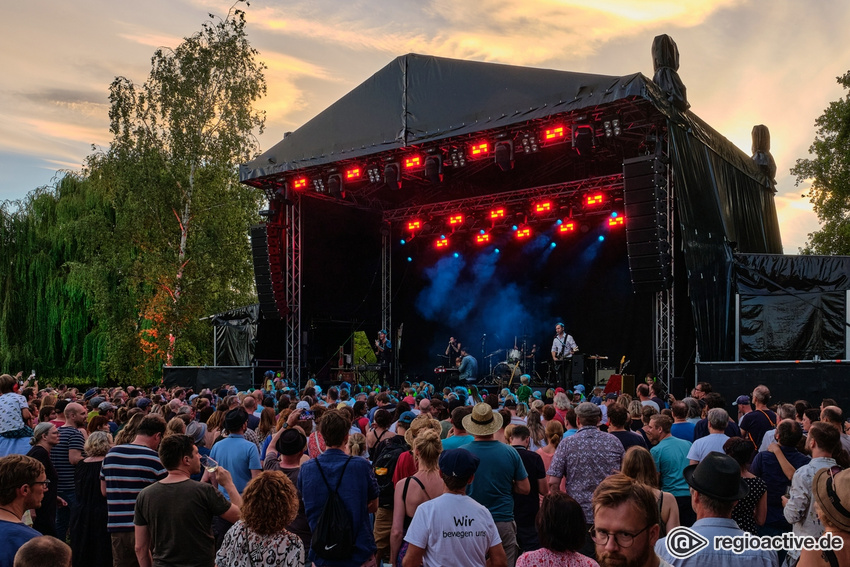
13,535
357,489
239,456
671,458
493,485
683,430
456,441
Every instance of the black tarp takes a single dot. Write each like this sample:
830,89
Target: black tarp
792,307
235,334
419,98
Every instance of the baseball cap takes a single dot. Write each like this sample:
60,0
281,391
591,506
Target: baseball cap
143,403
106,406
458,462
611,396
406,418
742,401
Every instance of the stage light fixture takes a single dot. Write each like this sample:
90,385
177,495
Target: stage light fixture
529,143
434,169
552,245
409,259
497,214
504,153
353,174
412,163
611,124
442,242
403,241
601,238
496,251
299,183
482,239
336,188
374,173
456,220
319,185
523,233
392,175
567,227
458,157
543,207
615,222
594,199
555,134
583,138
479,150
414,225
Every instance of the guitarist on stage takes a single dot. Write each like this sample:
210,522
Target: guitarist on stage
563,348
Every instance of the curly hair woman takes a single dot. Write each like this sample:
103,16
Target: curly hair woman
269,504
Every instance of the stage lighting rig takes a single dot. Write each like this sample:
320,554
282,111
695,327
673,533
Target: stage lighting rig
504,153
336,187
434,168
392,175
583,139
374,173
319,185
611,125
458,157
529,143
299,183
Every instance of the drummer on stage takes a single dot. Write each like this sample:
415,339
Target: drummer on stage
563,348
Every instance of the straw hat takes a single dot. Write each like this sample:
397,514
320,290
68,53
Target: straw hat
832,493
482,421
419,423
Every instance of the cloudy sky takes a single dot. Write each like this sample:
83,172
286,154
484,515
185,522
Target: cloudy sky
744,62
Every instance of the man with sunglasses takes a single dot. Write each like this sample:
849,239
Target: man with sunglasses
23,483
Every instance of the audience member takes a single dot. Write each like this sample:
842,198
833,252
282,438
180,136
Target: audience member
560,526
751,511
671,457
43,551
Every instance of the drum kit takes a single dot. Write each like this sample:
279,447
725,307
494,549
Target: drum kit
518,360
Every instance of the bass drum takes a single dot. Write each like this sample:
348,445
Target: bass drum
503,371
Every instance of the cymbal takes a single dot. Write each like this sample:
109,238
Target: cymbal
597,357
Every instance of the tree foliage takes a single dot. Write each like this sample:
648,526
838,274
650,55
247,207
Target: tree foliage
109,273
829,171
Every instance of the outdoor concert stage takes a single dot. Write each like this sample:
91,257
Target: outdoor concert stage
487,202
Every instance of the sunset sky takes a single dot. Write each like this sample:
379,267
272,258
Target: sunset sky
744,63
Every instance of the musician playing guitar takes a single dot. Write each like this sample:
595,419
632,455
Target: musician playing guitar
384,354
563,348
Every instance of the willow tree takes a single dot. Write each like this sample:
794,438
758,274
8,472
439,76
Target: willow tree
180,246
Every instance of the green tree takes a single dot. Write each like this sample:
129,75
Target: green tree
829,172
181,221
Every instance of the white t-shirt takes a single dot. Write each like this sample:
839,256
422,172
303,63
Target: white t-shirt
11,405
453,529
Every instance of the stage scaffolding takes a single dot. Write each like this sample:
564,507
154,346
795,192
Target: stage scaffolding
292,277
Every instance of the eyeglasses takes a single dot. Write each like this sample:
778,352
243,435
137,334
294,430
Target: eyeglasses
46,483
623,539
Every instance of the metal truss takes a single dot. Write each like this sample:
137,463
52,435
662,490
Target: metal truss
293,289
665,329
387,295
507,199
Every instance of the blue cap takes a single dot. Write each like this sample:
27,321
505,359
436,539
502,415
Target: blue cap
458,462
406,418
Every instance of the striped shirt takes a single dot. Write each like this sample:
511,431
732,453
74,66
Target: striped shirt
127,469
69,438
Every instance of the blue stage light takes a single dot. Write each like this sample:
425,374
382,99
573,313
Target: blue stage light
559,222
481,231
403,241
601,238
496,250
456,255
552,244
409,259
614,214
514,227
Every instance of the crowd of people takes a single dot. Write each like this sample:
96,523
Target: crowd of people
371,476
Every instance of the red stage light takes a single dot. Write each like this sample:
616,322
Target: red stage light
482,238
554,134
567,227
614,222
414,225
522,233
300,183
544,207
442,243
455,220
479,150
413,162
595,199
497,214
353,174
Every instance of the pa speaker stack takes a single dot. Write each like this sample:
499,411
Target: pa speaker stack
645,199
266,249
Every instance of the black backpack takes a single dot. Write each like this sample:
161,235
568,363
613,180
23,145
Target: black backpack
333,537
384,467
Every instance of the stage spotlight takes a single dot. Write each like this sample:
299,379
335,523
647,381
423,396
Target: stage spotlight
299,183
583,139
611,124
319,185
497,214
594,199
434,169
392,175
601,238
456,255
479,150
552,244
496,251
482,239
414,225
354,174
505,155
374,173
442,242
555,134
335,186
614,222
458,157
523,233
543,208
456,220
412,163
567,227
409,259
529,143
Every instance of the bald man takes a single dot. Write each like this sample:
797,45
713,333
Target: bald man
65,457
